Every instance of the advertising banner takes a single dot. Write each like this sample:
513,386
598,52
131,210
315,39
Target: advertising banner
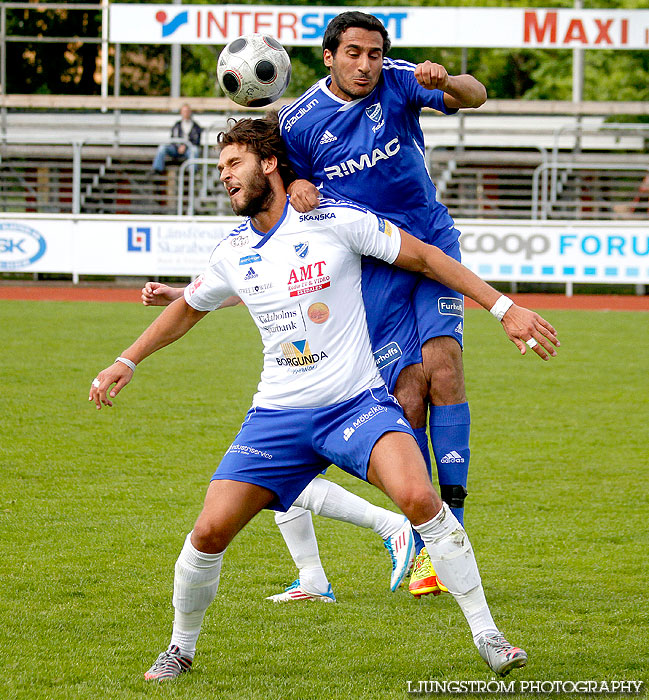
408,26
497,250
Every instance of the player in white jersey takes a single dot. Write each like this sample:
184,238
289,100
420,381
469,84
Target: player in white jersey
311,408
356,135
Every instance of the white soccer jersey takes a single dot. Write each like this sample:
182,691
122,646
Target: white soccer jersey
301,282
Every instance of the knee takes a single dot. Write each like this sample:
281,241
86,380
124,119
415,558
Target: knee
446,375
210,537
420,503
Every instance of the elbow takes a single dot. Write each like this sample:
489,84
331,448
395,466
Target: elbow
480,97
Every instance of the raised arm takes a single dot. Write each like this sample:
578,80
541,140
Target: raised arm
524,328
158,294
460,91
170,325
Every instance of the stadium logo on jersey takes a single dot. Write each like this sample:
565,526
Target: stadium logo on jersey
298,355
307,279
366,160
299,114
301,249
239,241
249,259
327,137
375,113
168,28
250,275
450,306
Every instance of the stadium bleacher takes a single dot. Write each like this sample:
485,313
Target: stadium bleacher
92,157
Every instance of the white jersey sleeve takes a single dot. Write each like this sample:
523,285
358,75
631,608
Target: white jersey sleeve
210,289
374,236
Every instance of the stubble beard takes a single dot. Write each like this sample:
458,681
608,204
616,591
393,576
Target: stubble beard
260,196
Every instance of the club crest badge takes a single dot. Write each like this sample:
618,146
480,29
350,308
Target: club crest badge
375,113
301,249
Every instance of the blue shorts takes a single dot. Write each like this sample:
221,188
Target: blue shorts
283,450
404,310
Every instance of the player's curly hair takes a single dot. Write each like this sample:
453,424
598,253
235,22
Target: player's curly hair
261,137
344,21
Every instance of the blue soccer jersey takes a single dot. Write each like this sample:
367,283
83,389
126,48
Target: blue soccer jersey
371,150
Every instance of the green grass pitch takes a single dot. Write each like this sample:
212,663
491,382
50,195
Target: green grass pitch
94,507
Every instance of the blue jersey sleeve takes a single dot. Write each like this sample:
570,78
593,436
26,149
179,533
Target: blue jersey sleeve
403,75
297,152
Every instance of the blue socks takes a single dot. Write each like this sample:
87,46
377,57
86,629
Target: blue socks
450,427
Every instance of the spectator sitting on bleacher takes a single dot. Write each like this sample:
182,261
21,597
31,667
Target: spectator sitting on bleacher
187,130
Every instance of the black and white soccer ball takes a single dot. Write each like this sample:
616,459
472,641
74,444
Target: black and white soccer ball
254,70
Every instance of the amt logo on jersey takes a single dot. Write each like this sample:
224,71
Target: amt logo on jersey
366,160
308,278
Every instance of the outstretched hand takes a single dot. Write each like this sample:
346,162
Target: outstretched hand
118,374
526,329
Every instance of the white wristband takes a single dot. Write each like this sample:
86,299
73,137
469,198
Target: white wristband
125,361
500,308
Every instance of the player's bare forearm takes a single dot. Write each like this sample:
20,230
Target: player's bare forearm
520,324
464,92
460,91
170,325
431,261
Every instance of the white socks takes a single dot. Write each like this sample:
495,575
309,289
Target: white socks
329,500
452,557
196,581
296,526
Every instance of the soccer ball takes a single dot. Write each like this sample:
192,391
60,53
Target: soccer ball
254,70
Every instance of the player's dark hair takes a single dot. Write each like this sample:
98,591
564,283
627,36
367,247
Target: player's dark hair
261,137
344,21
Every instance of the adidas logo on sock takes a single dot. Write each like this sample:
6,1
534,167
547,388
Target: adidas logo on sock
328,137
452,457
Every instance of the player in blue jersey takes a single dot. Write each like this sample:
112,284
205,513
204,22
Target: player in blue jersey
356,135
320,398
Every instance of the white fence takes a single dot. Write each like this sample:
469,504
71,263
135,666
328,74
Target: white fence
497,250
